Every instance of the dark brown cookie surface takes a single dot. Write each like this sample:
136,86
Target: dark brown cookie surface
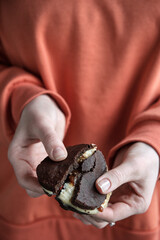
88,164
52,175
85,195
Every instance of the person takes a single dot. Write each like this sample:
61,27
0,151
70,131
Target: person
80,72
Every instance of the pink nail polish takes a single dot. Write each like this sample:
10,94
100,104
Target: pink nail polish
104,185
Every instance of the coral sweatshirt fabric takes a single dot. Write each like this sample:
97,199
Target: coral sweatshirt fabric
100,61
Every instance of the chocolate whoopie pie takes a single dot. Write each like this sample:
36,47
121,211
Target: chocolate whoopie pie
73,179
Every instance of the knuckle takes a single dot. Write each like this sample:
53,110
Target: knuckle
101,225
49,142
47,133
61,117
49,138
141,206
20,182
11,153
33,194
118,176
30,193
39,125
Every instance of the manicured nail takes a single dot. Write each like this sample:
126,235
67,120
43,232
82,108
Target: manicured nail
59,153
104,185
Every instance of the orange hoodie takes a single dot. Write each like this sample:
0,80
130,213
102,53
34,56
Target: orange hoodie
100,61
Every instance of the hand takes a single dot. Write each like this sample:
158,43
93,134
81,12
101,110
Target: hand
132,181
39,133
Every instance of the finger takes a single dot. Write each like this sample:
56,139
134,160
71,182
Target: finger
26,176
45,132
33,154
99,223
78,216
33,194
60,126
51,141
30,184
117,212
114,178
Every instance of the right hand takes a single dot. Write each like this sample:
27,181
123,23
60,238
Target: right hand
40,132
132,181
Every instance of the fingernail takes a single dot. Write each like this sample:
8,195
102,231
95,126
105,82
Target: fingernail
59,153
104,185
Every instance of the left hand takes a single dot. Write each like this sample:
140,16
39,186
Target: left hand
39,134
132,181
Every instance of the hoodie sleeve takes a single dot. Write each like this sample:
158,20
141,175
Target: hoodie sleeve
144,124
144,128
17,88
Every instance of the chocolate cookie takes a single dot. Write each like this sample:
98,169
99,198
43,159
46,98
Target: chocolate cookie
73,180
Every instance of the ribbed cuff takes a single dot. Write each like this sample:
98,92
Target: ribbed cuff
147,132
25,93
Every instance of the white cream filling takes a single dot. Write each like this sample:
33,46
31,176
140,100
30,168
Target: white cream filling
67,193
87,154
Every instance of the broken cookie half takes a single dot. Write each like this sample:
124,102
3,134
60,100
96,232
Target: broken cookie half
73,180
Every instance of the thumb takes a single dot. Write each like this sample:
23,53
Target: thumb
114,178
52,143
